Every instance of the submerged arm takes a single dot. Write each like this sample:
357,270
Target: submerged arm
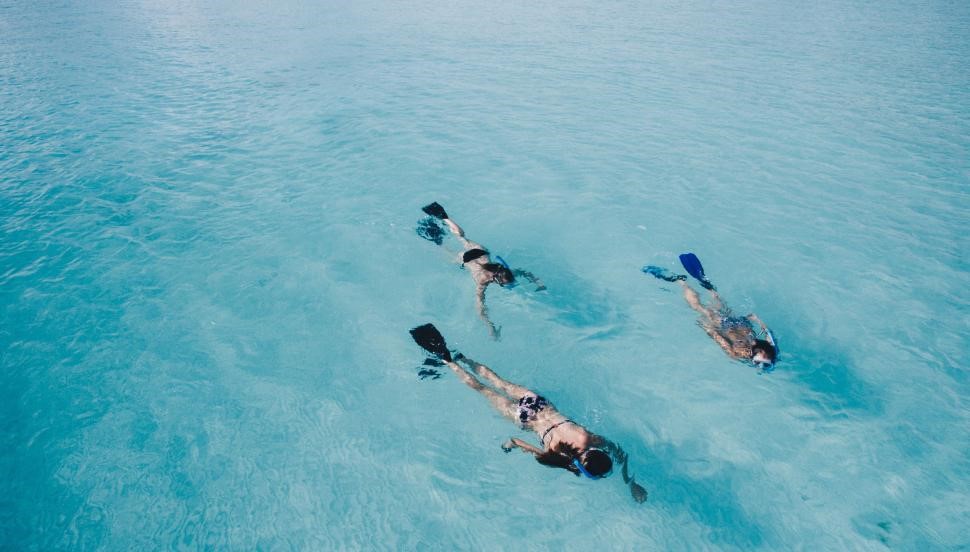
754,318
530,277
638,493
719,339
519,443
483,310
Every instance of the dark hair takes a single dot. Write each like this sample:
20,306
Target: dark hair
559,457
765,347
597,462
502,274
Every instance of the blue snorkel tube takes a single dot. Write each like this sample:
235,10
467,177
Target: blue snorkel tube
771,339
582,470
502,262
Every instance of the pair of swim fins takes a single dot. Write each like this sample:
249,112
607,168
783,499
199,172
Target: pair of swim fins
690,263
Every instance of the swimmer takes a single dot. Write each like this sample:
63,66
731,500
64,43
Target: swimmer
735,334
479,263
564,443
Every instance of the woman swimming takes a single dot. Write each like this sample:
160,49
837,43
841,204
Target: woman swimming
564,443
479,263
735,334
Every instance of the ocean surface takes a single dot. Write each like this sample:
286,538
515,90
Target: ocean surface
209,266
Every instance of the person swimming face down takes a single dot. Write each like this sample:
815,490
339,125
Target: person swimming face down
592,462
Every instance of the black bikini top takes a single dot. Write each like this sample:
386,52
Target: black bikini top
542,439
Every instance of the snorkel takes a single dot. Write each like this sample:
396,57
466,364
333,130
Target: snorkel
582,470
597,460
771,339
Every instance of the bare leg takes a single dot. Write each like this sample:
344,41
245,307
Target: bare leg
455,229
718,304
459,233
692,298
694,301
504,405
507,387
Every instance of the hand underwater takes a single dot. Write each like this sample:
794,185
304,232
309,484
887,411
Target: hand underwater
638,492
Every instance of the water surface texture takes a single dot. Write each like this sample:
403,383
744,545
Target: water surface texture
208,268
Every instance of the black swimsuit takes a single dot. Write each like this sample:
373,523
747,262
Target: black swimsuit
473,254
531,405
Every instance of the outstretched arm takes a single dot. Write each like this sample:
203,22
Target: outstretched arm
519,443
754,319
483,311
619,456
530,277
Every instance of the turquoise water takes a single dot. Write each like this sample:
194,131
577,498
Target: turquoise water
209,268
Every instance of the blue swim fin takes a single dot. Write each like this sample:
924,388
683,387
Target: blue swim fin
693,267
662,273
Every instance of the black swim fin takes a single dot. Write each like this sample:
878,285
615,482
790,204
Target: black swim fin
431,340
435,210
662,273
429,229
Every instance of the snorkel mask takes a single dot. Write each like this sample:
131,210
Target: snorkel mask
582,469
763,366
511,284
767,366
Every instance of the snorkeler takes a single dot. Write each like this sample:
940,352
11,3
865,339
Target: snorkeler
565,444
735,334
478,261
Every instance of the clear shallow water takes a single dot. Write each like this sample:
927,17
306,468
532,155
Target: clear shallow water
209,268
